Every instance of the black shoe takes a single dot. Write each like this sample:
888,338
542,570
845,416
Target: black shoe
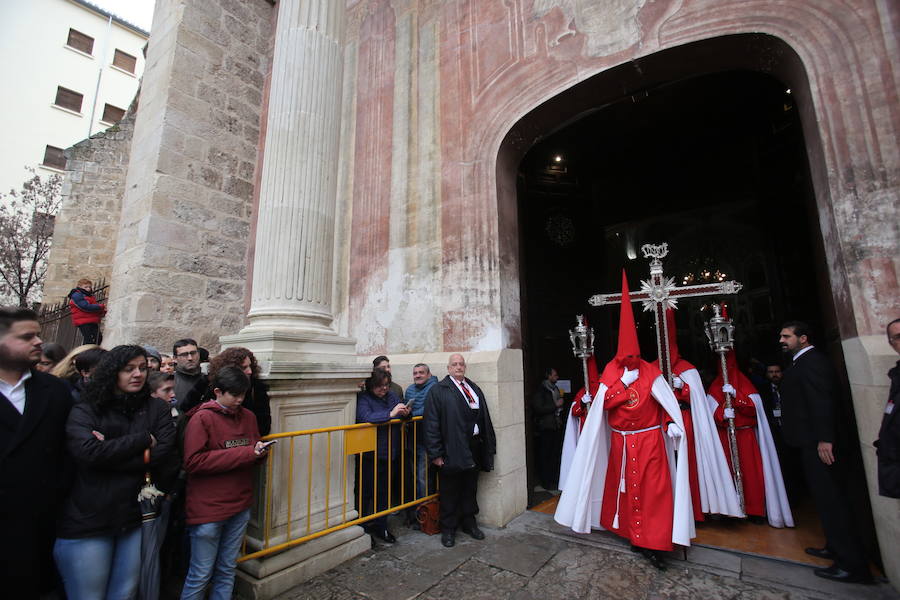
448,539
473,531
757,520
385,536
820,553
655,559
835,573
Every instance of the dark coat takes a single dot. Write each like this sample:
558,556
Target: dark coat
33,476
109,473
372,409
256,401
446,434
543,410
888,444
809,401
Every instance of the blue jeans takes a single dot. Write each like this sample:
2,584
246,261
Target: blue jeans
100,568
214,553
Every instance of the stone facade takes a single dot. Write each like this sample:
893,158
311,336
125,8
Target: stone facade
84,236
181,254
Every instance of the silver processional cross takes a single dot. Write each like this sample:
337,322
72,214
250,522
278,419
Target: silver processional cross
659,293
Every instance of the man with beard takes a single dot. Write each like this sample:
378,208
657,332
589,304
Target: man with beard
187,367
620,477
809,406
33,411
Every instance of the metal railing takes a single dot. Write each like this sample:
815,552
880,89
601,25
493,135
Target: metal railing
308,491
56,320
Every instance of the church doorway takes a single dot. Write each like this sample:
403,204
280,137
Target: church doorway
711,159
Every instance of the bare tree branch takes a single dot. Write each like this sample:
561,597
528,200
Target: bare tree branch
26,232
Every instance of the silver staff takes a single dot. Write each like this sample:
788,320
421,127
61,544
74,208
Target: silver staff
582,338
720,333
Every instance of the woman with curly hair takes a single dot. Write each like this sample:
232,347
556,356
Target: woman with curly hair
110,435
257,398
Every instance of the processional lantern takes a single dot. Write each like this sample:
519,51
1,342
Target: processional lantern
582,338
720,333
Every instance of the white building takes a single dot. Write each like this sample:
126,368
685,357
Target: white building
69,69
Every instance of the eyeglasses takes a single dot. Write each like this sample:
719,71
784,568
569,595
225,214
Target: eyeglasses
187,354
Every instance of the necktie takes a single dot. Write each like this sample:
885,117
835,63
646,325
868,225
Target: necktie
468,394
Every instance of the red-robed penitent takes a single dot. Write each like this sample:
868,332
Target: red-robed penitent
683,395
637,493
745,435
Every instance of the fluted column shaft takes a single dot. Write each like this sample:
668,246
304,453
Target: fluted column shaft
293,267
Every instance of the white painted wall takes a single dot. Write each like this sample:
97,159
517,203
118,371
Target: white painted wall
34,60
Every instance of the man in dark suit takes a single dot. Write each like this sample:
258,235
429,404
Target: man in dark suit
33,411
809,405
460,441
888,443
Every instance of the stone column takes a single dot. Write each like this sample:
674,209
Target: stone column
291,306
311,371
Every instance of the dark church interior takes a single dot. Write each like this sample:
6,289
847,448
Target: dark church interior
714,165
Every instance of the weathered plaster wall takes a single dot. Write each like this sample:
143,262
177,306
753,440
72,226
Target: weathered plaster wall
492,62
84,235
434,268
180,260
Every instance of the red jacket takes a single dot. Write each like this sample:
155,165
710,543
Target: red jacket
84,308
219,460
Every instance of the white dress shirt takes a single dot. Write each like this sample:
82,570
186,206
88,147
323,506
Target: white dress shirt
459,386
801,353
15,393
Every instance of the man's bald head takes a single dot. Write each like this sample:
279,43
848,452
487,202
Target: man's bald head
456,366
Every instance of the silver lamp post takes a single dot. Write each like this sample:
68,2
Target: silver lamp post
582,338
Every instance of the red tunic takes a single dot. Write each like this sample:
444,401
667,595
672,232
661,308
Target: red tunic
748,451
645,507
684,397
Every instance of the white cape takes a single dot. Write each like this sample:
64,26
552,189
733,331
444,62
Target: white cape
582,489
778,510
717,492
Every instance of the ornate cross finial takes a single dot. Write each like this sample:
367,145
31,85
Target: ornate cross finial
655,251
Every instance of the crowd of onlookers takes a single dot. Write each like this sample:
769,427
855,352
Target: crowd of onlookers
127,466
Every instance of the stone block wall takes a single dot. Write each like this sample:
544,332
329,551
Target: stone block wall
181,254
84,236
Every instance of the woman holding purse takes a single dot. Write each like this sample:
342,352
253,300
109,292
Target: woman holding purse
98,546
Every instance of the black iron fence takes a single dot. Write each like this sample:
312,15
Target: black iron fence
56,320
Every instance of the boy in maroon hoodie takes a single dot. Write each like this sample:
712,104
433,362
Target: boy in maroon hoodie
221,447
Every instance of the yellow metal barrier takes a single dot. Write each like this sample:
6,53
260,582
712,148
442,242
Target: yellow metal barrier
279,511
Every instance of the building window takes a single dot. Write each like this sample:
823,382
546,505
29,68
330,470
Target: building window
124,61
54,157
112,114
79,41
66,98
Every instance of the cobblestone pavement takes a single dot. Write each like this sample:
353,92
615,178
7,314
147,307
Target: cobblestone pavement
534,558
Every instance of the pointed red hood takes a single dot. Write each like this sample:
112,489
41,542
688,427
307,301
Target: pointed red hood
678,364
673,337
741,384
628,344
628,340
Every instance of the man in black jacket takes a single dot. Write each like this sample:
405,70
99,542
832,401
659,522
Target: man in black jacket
33,411
546,409
809,406
888,443
460,441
